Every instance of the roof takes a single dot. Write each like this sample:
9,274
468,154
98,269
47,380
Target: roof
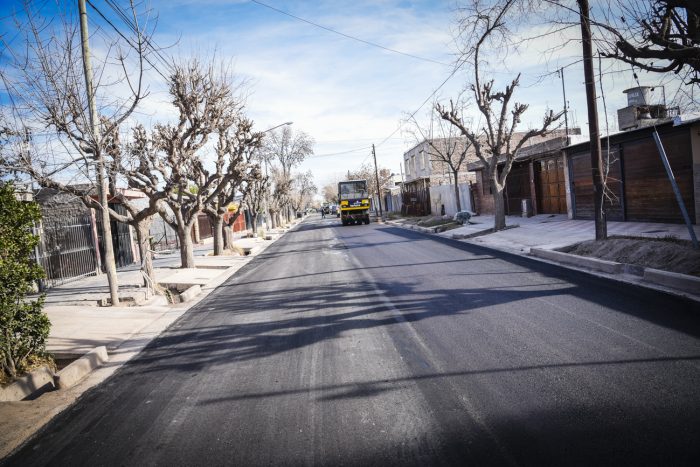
535,151
678,121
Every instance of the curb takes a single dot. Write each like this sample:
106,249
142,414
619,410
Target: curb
655,279
674,280
596,264
76,371
690,284
191,292
41,379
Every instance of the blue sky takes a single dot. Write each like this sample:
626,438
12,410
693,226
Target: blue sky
344,93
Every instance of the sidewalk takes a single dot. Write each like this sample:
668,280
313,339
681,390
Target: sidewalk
78,325
554,231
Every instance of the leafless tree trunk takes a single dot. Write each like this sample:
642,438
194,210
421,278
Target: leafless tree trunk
494,143
50,88
171,162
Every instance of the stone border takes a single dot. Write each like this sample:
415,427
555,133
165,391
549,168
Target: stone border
596,264
79,369
674,280
41,379
684,282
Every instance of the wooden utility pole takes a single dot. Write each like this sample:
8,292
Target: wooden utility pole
566,105
102,182
376,175
601,228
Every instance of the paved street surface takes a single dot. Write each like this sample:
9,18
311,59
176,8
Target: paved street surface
374,345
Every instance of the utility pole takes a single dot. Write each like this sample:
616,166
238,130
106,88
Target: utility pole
376,175
601,228
102,186
566,105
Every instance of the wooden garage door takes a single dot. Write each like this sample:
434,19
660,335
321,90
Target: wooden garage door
582,187
648,191
551,186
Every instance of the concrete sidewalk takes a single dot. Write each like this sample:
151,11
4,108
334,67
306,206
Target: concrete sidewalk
551,232
78,326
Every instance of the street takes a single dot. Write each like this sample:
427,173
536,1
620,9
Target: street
375,345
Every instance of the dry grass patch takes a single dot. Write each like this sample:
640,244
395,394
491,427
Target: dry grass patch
668,254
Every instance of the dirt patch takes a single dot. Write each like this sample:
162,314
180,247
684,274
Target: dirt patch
667,254
434,221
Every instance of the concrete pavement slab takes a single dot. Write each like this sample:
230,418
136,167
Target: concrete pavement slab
77,330
185,276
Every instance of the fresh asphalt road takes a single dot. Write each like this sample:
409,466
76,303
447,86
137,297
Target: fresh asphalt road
374,345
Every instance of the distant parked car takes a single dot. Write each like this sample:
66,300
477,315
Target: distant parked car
334,210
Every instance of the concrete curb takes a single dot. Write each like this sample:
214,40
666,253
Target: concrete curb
40,379
663,281
656,277
79,369
674,280
411,227
189,294
609,267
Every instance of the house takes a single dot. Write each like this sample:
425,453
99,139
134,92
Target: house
428,184
537,180
638,186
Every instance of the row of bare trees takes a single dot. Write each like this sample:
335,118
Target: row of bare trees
657,36
199,160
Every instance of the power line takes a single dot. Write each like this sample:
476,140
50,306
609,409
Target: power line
128,41
340,153
424,102
133,26
373,44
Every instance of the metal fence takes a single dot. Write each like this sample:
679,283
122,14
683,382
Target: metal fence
66,250
163,237
121,240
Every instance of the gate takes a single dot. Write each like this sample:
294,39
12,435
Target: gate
66,249
416,202
121,239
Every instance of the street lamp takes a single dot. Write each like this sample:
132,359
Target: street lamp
275,127
265,209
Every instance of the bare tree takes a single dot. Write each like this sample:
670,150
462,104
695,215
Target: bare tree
446,147
279,196
257,190
235,168
659,36
175,153
494,141
49,91
303,188
330,193
288,149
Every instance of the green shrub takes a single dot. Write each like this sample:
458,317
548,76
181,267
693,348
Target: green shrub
24,327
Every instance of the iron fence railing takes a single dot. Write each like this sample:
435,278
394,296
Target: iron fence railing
66,249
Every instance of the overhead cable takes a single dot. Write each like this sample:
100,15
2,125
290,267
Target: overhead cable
373,44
